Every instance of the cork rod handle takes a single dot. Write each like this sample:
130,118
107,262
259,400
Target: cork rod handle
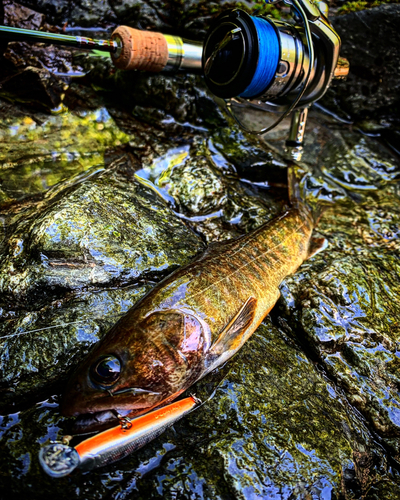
142,50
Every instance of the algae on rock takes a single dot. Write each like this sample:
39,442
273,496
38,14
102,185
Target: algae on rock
344,306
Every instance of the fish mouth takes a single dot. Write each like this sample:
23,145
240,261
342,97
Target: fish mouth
89,423
96,422
99,412
123,401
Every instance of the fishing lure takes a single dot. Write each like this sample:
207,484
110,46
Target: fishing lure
58,459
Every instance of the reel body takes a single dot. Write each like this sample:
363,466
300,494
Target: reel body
272,64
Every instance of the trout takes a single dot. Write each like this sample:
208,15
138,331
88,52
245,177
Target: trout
192,321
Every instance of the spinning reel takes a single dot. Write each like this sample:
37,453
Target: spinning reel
274,65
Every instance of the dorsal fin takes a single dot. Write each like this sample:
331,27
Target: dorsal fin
231,336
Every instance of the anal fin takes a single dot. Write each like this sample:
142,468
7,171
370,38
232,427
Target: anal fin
231,336
316,245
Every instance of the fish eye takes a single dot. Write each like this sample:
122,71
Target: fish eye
106,370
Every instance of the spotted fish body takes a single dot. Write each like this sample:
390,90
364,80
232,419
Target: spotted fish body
192,321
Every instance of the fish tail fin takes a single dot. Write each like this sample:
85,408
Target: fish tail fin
300,194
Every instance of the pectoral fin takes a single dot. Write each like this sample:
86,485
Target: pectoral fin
316,245
231,336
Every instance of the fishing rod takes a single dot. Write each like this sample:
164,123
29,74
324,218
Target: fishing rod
129,48
246,60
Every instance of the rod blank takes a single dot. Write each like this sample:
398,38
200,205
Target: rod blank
79,42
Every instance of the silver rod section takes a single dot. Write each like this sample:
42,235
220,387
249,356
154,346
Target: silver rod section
79,42
192,55
183,54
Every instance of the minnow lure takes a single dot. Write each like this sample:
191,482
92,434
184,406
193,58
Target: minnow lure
58,459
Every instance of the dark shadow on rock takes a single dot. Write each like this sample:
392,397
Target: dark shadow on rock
371,42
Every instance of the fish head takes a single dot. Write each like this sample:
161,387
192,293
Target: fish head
139,365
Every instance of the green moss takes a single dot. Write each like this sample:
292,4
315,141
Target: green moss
361,5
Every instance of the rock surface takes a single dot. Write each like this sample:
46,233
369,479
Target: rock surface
308,408
93,236
371,42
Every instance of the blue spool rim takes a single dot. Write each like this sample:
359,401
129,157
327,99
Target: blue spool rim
233,70
268,57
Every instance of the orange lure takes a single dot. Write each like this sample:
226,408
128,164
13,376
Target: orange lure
58,459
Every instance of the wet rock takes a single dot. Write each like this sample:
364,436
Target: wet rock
187,19
309,408
80,13
24,71
39,346
210,196
34,86
181,97
96,231
342,304
54,59
250,160
17,15
35,74
371,90
38,150
371,42
305,427
66,249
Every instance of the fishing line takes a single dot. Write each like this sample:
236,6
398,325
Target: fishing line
63,324
268,58
40,329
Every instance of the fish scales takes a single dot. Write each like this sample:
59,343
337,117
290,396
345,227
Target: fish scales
257,264
191,322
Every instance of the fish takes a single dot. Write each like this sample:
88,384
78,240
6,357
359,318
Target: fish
192,321
60,459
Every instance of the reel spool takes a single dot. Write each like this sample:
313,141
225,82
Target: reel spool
280,67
